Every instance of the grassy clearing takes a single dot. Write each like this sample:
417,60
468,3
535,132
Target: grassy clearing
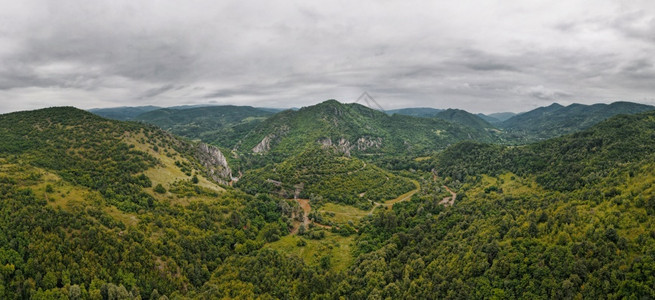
168,172
337,247
510,184
341,214
59,193
422,158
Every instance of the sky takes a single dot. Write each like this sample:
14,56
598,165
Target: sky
482,56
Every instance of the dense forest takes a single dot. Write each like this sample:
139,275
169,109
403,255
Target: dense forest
326,173
97,209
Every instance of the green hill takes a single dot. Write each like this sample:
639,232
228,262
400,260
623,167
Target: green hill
464,118
219,125
94,208
322,171
565,218
354,129
122,113
556,120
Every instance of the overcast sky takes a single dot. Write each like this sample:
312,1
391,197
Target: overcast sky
482,56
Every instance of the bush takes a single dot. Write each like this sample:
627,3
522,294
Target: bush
159,189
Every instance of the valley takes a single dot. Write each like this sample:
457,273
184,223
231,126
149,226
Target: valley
333,200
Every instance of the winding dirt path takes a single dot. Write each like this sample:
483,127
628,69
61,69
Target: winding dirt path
449,201
401,198
306,208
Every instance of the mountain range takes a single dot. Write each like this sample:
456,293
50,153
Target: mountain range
328,201
556,120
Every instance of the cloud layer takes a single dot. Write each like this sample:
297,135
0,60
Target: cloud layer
483,56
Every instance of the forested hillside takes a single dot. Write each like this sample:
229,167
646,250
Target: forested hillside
566,218
464,118
98,209
219,125
322,171
123,113
92,208
556,120
356,130
511,235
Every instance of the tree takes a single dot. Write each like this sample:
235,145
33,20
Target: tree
74,292
159,189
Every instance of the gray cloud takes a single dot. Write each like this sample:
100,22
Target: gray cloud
483,56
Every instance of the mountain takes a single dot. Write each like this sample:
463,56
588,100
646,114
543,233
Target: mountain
423,112
556,120
354,129
91,207
464,118
122,113
220,125
547,220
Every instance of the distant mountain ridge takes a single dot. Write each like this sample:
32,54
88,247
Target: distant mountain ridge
231,126
463,117
556,120
220,125
124,113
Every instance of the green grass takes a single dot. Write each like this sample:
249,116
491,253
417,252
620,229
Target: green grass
166,173
342,213
337,247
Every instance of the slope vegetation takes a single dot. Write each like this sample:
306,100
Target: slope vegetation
354,129
322,172
93,208
219,125
556,120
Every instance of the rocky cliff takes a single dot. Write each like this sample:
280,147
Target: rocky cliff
214,162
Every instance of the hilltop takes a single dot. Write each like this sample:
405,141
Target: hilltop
356,130
92,206
464,118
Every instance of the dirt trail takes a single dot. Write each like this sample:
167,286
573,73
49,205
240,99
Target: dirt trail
401,198
449,201
306,208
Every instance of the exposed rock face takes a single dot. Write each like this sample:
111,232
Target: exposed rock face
264,145
344,146
214,162
326,142
364,143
